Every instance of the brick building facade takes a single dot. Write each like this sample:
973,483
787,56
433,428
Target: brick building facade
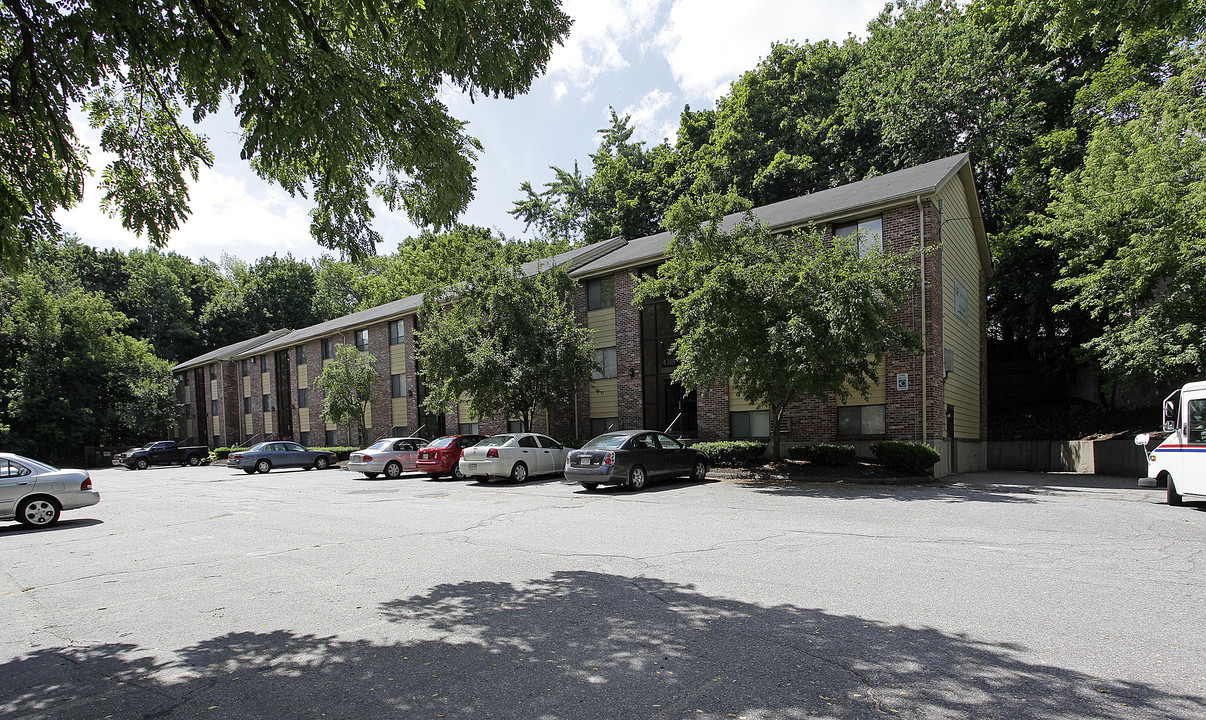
937,395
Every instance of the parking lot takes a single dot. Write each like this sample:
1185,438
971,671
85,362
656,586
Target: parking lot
205,592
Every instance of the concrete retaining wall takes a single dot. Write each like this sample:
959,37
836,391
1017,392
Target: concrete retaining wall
1100,457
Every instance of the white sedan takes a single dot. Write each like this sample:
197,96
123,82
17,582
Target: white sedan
391,456
513,455
34,493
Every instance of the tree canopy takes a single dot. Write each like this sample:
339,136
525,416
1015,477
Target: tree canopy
781,317
334,100
346,382
504,342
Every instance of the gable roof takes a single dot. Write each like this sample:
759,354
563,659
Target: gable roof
230,351
843,201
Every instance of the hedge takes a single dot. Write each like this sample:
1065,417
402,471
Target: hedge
823,454
911,457
732,453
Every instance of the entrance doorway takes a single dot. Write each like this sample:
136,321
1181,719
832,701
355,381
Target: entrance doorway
284,398
666,403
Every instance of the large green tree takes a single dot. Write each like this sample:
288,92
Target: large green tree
346,382
504,342
335,100
272,294
783,317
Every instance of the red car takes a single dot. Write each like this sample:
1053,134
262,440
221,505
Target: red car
441,455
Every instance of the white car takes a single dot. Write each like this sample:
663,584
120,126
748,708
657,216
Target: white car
34,493
391,456
513,455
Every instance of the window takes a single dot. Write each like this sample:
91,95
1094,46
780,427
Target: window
961,302
861,420
303,400
1196,432
10,468
184,379
600,293
397,332
246,406
668,443
329,437
362,340
266,403
598,426
467,429
605,363
397,385
246,366
328,349
399,430
870,233
305,437
301,354
213,408
188,411
527,441
548,442
263,363
514,426
213,371
750,424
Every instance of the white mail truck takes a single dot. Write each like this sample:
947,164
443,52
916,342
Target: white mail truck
1179,463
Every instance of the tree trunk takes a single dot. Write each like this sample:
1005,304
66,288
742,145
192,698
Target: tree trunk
775,413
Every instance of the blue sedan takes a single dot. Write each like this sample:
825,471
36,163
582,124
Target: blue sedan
279,454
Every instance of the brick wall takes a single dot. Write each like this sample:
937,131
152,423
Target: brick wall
628,354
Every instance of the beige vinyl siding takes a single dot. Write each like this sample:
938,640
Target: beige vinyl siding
462,412
398,410
740,404
269,424
213,388
247,386
397,359
604,398
368,416
303,376
877,392
247,425
961,259
604,395
303,418
217,427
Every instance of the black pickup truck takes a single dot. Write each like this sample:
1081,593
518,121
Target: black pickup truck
162,452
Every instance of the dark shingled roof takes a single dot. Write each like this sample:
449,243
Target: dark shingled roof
228,352
835,202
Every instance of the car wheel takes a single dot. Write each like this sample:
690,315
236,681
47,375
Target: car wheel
370,476
263,466
700,471
456,472
141,464
519,472
194,460
321,462
590,487
393,471
38,512
249,470
636,478
1174,497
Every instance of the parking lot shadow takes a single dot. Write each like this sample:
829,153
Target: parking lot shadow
578,645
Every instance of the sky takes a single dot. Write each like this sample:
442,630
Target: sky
645,58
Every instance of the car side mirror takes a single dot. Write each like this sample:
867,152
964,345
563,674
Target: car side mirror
1142,440
1170,416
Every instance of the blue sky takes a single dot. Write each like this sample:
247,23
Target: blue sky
645,58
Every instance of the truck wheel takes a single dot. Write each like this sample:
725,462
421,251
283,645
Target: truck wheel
141,464
194,460
1174,497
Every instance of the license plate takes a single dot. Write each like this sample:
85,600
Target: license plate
472,466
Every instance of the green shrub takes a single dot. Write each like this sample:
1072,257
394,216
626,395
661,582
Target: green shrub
219,454
823,454
732,453
911,457
341,453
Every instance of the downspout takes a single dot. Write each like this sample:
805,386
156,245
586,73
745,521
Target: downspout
925,336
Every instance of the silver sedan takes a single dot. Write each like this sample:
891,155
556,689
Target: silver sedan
391,456
34,493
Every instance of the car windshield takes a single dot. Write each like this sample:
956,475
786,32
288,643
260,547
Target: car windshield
383,445
442,442
610,442
495,441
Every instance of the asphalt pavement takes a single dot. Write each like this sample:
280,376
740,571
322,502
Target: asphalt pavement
206,593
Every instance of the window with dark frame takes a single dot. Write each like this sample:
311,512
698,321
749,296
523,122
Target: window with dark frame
600,293
861,420
467,429
397,385
213,408
329,436
246,367
870,233
246,406
515,426
362,340
605,364
303,399
266,403
305,437
598,426
397,332
301,354
749,424
328,349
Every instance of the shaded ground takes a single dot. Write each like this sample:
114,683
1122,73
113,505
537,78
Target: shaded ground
801,471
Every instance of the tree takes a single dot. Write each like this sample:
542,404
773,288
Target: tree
504,342
272,294
784,316
1130,227
69,376
346,382
334,100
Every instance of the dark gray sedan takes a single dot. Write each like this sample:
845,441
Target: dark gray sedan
279,454
633,458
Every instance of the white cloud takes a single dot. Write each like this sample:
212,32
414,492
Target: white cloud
559,90
709,43
600,28
646,121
